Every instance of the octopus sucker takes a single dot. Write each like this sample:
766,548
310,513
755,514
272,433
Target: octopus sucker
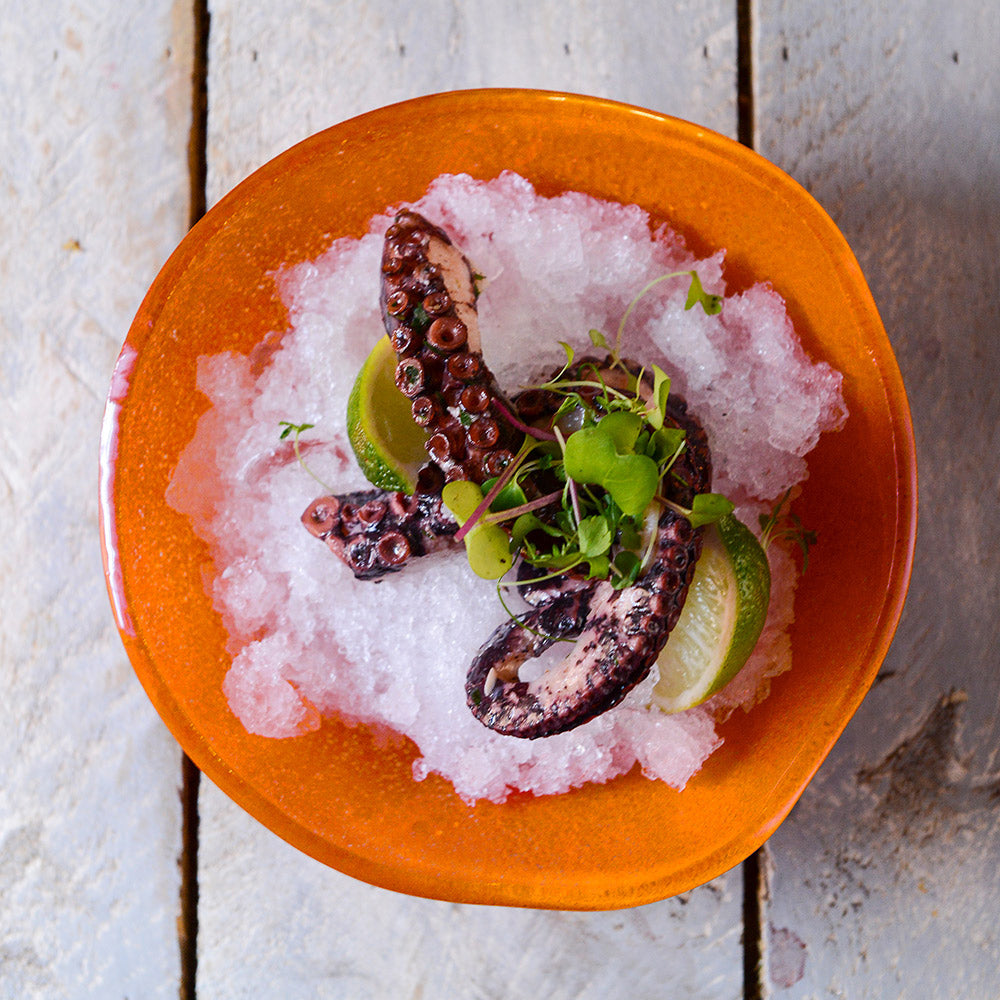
428,303
428,300
376,532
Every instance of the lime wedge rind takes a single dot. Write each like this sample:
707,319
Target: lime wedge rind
723,617
387,443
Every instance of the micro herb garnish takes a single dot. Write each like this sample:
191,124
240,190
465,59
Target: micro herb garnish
289,428
487,545
419,319
584,493
707,508
599,515
788,527
712,304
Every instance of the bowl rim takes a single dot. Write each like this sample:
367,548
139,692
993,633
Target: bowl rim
195,744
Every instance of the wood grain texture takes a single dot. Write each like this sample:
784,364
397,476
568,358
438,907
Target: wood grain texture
884,881
94,123
280,72
339,938
270,915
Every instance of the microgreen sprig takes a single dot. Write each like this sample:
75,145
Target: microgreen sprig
785,525
298,429
712,304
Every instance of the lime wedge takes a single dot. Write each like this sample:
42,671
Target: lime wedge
721,621
388,444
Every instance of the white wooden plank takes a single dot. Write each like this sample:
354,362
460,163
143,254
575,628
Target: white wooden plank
340,938
279,72
268,88
94,125
884,881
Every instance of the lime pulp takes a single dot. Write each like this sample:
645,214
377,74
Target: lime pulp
721,621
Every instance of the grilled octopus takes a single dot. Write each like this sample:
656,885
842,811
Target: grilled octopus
428,303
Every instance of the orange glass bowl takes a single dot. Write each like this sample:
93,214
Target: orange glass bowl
345,795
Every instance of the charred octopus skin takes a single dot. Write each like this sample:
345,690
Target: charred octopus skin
376,532
619,634
428,302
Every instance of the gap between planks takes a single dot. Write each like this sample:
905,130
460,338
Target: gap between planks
753,874
197,155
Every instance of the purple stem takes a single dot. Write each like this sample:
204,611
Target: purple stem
536,432
524,508
504,478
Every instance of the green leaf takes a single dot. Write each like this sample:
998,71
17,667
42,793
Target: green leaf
589,455
627,566
289,427
595,536
525,524
462,498
623,428
599,340
488,550
564,519
632,483
511,496
592,456
708,508
598,568
712,304
487,546
628,536
661,391
665,443
570,353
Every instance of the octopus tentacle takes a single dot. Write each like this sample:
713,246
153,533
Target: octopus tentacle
530,635
428,300
618,641
376,532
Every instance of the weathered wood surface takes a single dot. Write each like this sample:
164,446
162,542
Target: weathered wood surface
94,124
280,72
268,914
885,881
345,939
